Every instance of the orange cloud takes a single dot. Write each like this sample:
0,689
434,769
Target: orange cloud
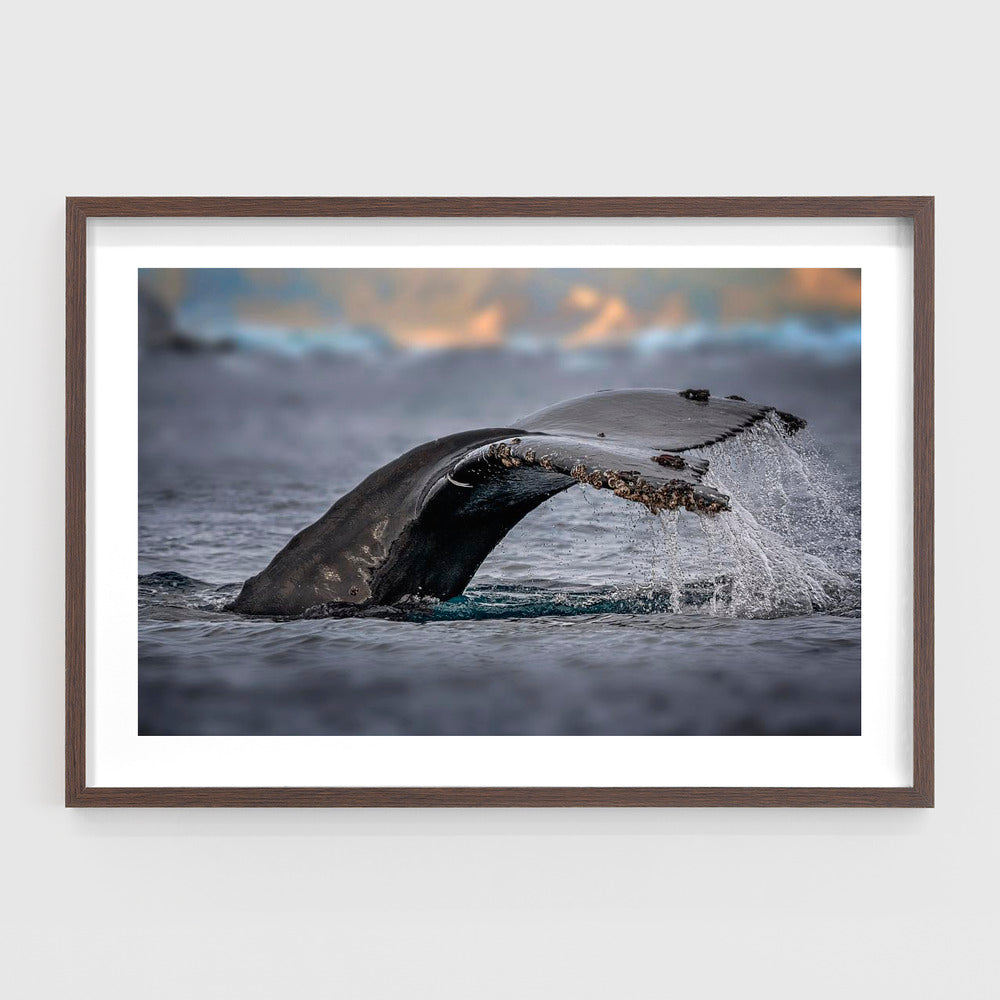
826,288
614,321
487,326
582,297
484,329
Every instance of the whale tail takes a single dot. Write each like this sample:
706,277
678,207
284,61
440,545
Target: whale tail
422,525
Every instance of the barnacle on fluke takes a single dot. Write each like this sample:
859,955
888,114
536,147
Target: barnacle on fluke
671,495
422,524
791,423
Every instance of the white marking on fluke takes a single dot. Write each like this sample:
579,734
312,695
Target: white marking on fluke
455,482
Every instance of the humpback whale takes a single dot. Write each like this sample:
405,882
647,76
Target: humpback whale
421,526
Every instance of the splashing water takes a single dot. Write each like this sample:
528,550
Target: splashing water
789,545
671,522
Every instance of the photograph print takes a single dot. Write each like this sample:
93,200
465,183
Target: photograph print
460,502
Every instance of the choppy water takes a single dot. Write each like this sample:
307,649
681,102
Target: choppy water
592,616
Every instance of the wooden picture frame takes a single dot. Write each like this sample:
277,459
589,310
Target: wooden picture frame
918,210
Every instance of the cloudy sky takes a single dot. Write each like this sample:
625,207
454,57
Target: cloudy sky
478,307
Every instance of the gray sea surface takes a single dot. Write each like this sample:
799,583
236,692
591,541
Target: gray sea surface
592,616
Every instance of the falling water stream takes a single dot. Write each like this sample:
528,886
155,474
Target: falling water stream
789,545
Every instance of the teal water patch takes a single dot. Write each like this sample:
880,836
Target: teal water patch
492,602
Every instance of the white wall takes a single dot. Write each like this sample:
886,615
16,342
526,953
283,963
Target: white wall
513,98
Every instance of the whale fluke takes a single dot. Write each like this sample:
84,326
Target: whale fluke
422,525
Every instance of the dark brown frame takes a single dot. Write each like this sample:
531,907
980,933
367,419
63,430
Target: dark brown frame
920,210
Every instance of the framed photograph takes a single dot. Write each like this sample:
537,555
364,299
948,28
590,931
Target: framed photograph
499,501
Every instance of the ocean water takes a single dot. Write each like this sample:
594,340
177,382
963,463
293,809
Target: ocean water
592,616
